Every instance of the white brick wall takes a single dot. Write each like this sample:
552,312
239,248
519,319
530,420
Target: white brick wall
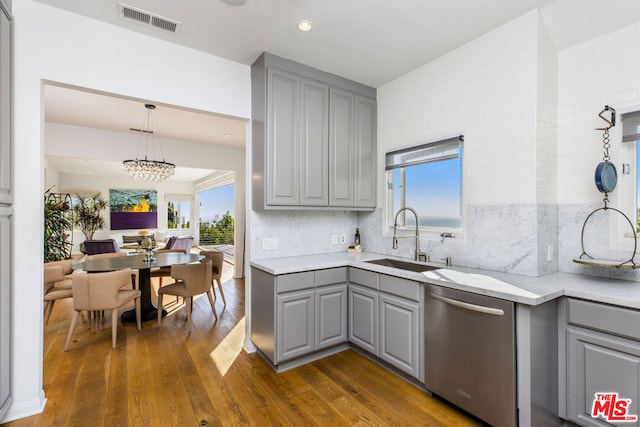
487,90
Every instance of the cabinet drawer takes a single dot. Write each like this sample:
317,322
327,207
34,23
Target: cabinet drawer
608,318
400,287
364,278
294,282
331,276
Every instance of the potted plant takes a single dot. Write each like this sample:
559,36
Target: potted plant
57,227
87,214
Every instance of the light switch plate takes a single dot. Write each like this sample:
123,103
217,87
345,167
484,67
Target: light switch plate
343,239
269,244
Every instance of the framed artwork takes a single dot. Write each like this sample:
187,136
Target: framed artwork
133,209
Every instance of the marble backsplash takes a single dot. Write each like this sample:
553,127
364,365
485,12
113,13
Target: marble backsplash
300,232
508,238
528,239
597,241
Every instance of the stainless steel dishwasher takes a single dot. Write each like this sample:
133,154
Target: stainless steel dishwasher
470,353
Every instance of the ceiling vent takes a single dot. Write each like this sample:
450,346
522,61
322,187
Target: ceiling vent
130,13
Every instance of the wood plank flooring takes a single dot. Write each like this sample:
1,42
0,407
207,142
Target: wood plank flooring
168,377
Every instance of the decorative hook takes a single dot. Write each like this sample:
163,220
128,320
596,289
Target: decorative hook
610,122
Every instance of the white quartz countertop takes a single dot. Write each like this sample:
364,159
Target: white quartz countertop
512,287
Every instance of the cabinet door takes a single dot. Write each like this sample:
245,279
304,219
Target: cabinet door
5,307
295,320
314,143
400,333
6,195
331,316
341,148
365,152
283,148
598,363
363,318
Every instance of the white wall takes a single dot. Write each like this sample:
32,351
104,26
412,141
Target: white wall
54,45
489,91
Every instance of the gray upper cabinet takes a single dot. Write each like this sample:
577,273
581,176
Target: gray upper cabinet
283,183
314,138
6,195
341,170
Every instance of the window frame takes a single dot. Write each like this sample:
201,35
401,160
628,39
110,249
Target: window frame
177,200
393,160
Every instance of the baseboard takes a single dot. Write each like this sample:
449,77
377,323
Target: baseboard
25,409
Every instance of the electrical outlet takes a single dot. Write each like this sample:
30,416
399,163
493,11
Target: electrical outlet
269,244
550,253
343,239
334,239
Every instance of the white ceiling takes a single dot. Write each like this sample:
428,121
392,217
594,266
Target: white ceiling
369,41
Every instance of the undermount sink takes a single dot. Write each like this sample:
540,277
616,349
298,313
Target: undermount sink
403,265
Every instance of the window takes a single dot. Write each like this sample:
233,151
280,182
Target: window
427,178
631,134
179,214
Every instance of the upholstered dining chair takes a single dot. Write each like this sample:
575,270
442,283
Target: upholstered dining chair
134,273
217,259
191,280
176,242
161,272
53,274
102,291
66,267
92,247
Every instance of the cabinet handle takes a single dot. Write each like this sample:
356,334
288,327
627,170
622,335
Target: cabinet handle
467,306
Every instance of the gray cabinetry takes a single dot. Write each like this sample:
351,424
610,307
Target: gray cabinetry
296,314
283,150
6,198
6,195
363,318
331,316
386,318
5,306
602,356
313,138
352,150
399,329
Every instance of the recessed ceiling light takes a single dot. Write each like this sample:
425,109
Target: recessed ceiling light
305,25
227,134
234,2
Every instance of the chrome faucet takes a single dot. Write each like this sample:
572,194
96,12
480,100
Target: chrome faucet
419,256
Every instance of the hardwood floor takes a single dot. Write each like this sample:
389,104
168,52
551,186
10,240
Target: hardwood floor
168,377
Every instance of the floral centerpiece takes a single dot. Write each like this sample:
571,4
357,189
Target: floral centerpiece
146,244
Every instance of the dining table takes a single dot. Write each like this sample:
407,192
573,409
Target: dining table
141,263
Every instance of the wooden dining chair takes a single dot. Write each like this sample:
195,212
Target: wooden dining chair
102,291
217,260
191,280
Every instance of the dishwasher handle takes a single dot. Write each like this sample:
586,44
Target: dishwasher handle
468,306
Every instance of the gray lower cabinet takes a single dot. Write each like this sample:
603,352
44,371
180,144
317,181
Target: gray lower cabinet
363,318
602,356
313,138
386,318
399,329
296,314
5,309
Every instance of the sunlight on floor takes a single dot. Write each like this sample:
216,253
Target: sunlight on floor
226,352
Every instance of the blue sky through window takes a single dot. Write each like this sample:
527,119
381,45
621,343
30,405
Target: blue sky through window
216,202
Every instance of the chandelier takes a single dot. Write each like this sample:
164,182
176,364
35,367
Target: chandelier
145,169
